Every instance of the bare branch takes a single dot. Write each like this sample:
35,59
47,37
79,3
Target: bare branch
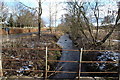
97,18
29,7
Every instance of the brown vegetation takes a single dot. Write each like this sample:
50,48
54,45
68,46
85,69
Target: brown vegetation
29,59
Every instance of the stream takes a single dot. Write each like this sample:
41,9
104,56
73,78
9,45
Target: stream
66,43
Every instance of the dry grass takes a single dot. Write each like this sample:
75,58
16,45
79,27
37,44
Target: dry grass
30,55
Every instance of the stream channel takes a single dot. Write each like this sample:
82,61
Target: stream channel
66,43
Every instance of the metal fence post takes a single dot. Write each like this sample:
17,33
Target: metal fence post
80,63
46,63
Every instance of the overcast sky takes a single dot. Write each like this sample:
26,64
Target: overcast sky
45,6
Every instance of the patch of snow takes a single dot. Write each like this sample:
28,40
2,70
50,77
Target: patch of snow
107,56
116,40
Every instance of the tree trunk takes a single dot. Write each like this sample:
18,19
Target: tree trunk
39,18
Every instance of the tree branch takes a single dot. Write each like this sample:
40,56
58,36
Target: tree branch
29,7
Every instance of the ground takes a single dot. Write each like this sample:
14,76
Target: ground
29,59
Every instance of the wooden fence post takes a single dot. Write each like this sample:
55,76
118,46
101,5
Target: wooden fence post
1,72
119,52
80,63
46,63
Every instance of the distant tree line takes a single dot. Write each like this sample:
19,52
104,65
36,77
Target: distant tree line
20,16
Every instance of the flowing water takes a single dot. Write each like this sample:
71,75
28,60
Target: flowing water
66,43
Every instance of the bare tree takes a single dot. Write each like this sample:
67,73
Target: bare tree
118,18
39,17
56,6
3,12
80,23
50,16
53,11
108,19
11,21
96,14
39,12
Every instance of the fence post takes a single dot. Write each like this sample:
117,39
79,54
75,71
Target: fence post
46,63
119,54
80,63
1,72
